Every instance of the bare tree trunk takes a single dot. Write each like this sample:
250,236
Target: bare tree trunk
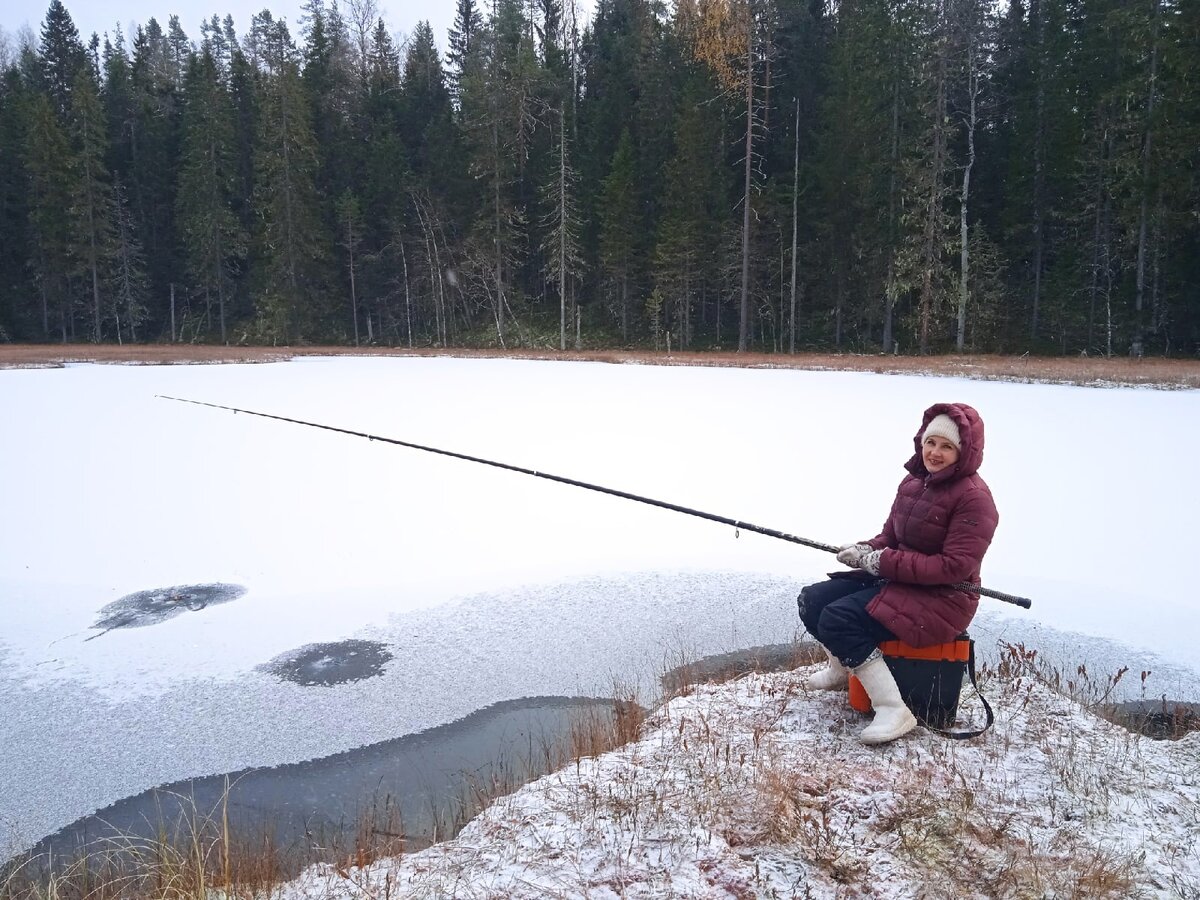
744,321
407,294
437,284
889,301
353,293
1138,346
363,14
840,304
624,306
1039,166
1099,235
964,235
429,261
221,293
932,214
496,225
562,231
94,267
795,223
1157,309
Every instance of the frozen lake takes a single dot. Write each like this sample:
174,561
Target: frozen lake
486,586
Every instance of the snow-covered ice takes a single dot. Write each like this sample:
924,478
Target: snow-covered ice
488,585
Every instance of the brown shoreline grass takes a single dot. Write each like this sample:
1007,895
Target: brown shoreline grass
1093,371
208,861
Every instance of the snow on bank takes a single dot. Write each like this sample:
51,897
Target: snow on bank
759,788
489,586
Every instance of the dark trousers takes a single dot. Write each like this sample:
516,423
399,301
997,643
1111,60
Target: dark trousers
835,613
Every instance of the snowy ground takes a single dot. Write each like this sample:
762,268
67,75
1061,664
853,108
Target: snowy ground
490,585
760,789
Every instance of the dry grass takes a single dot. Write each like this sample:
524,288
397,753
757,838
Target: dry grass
197,857
1097,371
938,814
1160,719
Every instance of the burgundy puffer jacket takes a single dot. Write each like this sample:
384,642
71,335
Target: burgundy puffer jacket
936,535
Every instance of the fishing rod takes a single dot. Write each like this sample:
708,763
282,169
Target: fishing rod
737,524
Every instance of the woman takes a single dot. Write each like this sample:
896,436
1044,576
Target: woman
935,537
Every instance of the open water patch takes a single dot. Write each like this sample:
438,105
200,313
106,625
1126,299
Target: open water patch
392,796
1161,719
720,667
331,663
144,608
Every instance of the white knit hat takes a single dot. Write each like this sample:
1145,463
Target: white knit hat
943,426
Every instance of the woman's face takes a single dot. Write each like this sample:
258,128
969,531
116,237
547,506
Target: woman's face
937,453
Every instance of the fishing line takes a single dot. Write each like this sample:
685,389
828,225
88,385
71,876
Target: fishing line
737,524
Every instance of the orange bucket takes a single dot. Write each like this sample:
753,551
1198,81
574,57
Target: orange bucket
929,678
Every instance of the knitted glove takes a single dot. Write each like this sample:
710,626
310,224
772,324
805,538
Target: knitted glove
869,561
851,554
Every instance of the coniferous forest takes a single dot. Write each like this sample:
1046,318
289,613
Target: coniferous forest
908,176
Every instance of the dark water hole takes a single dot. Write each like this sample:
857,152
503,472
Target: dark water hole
144,608
330,664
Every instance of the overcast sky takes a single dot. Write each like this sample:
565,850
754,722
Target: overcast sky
99,16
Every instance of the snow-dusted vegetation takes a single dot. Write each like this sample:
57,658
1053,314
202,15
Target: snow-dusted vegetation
159,560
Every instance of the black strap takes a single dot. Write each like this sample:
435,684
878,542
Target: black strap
963,735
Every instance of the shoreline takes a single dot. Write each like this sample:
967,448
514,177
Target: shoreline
1150,372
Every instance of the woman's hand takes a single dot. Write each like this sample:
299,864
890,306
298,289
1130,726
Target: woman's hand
860,556
852,554
870,561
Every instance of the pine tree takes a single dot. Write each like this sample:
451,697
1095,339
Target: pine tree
383,188
153,172
127,278
928,185
694,209
214,241
499,117
561,245
349,217
618,229
971,36
17,293
865,117
732,37
328,81
91,196
464,41
62,57
293,245
426,116
49,164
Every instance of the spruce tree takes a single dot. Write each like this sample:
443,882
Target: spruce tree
18,313
49,166
62,57
464,44
426,117
214,241
561,223
292,299
91,197
618,231
127,276
695,208
153,173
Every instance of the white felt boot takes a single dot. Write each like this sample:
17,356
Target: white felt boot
833,677
892,717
